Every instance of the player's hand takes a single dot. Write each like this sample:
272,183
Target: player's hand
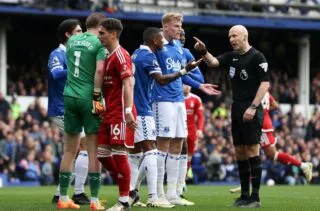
249,114
199,134
193,64
130,121
97,106
200,47
210,89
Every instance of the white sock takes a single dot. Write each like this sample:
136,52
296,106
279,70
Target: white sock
64,198
303,165
161,158
141,175
57,191
124,199
183,166
172,167
151,169
134,161
81,172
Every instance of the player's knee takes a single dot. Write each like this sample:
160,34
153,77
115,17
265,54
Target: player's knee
270,152
148,146
241,152
252,150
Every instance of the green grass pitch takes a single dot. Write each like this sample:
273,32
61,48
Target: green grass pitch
215,198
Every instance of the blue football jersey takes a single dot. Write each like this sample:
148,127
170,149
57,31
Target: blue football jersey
170,59
145,63
195,73
57,75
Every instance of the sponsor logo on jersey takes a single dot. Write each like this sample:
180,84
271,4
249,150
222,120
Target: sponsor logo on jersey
232,71
264,66
243,75
171,64
234,59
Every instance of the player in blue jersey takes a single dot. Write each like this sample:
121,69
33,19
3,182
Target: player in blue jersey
184,157
195,73
57,75
169,108
147,71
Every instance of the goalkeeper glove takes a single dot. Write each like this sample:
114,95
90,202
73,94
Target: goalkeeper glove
97,106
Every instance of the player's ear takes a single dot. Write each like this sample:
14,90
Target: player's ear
67,34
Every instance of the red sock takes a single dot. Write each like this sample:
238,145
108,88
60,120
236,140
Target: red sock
109,164
123,174
288,159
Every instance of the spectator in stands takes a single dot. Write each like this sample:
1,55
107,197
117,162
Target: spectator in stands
4,108
29,167
15,108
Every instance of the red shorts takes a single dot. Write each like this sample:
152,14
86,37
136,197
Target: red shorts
267,139
116,133
192,142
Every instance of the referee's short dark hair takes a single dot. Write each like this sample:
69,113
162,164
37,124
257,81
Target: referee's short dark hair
66,26
112,24
149,33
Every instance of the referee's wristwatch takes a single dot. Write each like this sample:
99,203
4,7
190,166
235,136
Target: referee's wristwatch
253,106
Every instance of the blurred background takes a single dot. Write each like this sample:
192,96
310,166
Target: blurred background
286,31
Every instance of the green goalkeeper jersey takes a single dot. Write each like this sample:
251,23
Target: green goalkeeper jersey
83,51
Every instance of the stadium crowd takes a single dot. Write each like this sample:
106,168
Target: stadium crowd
32,81
30,148
281,6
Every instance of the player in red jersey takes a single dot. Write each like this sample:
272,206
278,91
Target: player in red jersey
268,141
194,112
116,132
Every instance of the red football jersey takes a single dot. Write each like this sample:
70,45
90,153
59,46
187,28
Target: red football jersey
266,102
118,66
194,110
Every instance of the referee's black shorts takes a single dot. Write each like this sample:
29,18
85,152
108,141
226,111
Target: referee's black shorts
246,133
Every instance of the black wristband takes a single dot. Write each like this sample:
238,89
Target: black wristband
96,96
253,106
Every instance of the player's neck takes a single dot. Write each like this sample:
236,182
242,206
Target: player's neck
245,49
93,31
167,37
152,48
113,46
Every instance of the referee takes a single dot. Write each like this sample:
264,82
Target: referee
248,71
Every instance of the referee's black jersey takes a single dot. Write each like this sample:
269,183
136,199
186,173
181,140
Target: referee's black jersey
246,71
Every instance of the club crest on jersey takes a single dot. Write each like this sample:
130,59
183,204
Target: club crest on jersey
232,71
243,75
55,61
166,129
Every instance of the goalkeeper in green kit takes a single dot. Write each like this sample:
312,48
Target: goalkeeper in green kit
85,55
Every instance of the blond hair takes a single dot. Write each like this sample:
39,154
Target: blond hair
170,16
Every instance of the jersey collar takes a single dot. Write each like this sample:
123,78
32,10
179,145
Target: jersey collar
145,47
62,47
114,50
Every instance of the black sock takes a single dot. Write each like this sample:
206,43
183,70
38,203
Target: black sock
244,174
255,165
